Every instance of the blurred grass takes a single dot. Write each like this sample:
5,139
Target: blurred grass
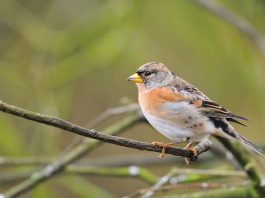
70,59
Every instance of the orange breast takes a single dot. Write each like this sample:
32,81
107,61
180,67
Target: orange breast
151,100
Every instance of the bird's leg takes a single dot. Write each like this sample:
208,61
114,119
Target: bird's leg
163,146
168,145
195,152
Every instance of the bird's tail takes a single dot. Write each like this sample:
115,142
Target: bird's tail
252,146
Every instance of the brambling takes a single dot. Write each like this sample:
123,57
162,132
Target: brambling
182,113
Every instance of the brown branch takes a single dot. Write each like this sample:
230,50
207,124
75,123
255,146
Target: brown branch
91,133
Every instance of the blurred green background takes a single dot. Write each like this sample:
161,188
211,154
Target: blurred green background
70,59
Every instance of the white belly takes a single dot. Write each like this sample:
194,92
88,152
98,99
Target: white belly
182,120
168,129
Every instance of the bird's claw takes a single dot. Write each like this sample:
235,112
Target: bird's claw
163,146
194,151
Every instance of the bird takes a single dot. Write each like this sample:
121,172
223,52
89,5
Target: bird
181,112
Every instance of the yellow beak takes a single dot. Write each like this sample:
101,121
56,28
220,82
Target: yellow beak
135,78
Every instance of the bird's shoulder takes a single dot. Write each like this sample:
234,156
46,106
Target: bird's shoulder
186,89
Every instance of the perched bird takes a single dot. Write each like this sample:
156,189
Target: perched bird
179,111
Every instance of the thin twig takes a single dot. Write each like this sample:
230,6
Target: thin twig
133,107
162,181
131,171
194,176
113,111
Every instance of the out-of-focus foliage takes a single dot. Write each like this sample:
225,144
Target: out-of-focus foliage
71,58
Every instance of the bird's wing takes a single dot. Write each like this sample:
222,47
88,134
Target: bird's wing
203,103
214,110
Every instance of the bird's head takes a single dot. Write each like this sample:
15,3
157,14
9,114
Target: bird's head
152,75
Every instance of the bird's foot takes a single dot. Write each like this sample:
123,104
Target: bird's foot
164,146
193,150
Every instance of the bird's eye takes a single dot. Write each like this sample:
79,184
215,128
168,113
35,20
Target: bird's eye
148,73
